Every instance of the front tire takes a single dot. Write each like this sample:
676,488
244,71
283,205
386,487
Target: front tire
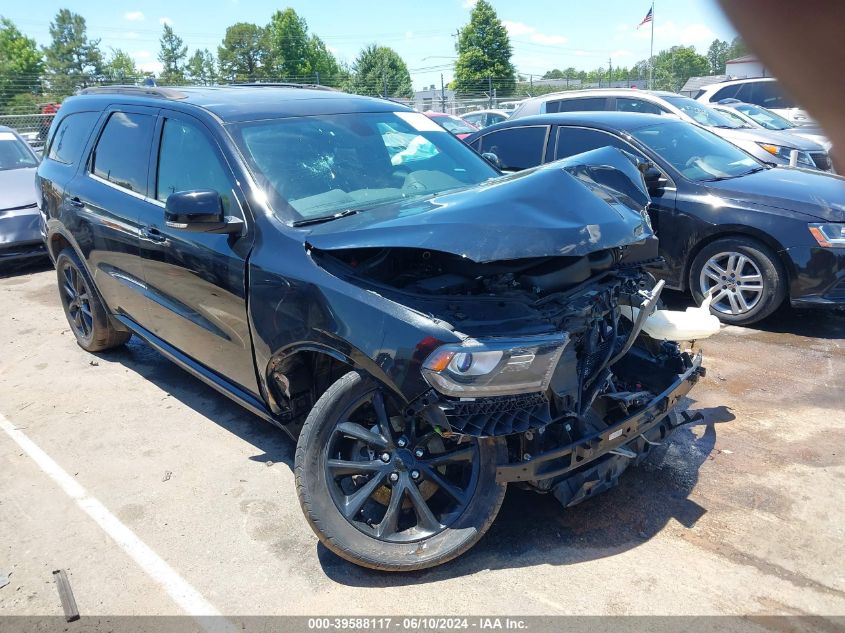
85,313
746,278
387,494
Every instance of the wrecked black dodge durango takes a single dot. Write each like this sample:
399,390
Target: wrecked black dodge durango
426,329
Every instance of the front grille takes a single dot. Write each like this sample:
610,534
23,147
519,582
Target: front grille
821,159
501,415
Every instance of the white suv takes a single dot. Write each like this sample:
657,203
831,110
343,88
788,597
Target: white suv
762,91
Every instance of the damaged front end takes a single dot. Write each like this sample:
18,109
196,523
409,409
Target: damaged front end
560,347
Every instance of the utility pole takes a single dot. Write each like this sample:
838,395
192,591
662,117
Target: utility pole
442,94
384,85
609,72
651,52
531,82
490,91
318,77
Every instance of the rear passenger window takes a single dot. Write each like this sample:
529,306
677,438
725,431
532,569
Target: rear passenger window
728,92
517,147
626,104
586,104
188,161
70,137
574,140
123,152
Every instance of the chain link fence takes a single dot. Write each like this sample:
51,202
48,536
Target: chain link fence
32,127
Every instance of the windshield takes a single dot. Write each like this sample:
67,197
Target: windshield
14,154
455,125
701,114
317,166
766,118
697,154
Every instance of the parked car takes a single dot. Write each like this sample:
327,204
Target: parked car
729,226
769,146
483,118
762,91
20,221
453,124
754,115
426,331
509,106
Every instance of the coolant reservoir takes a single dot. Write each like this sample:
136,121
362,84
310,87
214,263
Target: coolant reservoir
693,324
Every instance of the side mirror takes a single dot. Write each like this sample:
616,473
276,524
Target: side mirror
491,158
199,211
654,179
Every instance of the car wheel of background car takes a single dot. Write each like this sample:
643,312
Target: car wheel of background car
746,279
85,313
387,494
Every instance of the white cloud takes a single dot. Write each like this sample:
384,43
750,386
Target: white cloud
620,53
469,4
150,67
142,54
671,34
166,21
517,29
409,35
134,16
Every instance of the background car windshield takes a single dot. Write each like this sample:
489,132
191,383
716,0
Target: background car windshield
14,154
766,118
697,154
455,125
701,114
317,166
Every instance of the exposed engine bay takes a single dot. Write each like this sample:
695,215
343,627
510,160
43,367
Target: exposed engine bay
608,373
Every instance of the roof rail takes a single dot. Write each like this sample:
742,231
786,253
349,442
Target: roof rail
281,84
146,91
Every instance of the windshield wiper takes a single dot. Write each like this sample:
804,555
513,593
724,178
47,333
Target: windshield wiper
325,218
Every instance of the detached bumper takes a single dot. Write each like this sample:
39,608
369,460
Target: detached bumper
20,234
578,454
819,277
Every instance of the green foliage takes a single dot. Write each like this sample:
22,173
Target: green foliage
323,64
242,54
200,68
120,68
172,56
288,48
379,71
484,51
20,63
72,61
717,55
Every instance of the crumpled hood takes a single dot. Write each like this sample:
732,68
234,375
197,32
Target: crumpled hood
811,193
578,205
17,187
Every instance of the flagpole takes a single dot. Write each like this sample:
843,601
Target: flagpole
651,52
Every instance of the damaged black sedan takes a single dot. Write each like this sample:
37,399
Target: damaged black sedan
425,328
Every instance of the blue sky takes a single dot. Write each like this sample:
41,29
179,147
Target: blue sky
544,34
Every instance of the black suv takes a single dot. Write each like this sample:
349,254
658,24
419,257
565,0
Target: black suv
425,328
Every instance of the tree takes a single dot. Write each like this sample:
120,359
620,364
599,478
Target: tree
323,64
288,49
241,55
717,55
20,63
120,67
200,68
172,56
672,68
554,74
737,48
379,71
484,54
71,59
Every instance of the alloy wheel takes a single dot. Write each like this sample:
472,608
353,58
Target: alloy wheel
77,300
394,480
734,280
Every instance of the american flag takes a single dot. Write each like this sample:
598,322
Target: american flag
648,17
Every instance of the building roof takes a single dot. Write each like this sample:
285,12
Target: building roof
244,103
742,60
694,84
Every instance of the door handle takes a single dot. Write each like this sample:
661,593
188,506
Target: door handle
152,234
76,202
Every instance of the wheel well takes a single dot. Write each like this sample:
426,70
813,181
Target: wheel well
58,243
765,240
298,380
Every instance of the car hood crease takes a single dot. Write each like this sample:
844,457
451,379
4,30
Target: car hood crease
572,207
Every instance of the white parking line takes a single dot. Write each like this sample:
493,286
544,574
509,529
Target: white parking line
182,593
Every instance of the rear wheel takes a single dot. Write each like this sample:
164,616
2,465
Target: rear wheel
387,493
85,313
745,278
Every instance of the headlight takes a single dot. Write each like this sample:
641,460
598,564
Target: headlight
829,235
494,367
783,152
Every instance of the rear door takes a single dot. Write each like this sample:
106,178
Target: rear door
517,148
108,196
196,282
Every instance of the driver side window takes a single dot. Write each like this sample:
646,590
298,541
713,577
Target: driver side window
187,161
